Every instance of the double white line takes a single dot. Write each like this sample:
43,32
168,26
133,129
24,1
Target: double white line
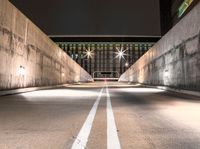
112,137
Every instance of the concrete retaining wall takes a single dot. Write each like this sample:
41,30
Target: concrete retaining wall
28,57
175,60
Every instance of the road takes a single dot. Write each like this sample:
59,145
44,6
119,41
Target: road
100,115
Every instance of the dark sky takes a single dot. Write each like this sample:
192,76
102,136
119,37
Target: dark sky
93,17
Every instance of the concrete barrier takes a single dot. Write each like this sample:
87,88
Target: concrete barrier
28,58
175,60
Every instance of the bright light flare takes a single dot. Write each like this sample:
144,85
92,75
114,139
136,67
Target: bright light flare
120,53
88,53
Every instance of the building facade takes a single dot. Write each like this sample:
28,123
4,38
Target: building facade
172,11
105,59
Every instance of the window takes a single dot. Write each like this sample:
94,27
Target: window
184,6
76,55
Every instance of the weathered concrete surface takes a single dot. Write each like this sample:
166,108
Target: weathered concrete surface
175,60
24,44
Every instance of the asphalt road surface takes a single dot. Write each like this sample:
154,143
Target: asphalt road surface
101,115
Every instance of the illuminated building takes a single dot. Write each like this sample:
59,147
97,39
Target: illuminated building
105,57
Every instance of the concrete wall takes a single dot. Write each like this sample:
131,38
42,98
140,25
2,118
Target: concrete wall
24,44
175,60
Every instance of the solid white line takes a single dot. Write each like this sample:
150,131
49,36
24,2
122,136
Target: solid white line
82,138
112,137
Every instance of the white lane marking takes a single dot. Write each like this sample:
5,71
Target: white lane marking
112,137
82,138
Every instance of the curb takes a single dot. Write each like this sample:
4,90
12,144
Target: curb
29,89
193,93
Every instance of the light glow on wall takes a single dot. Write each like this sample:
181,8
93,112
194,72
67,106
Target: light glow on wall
22,70
77,78
63,74
166,76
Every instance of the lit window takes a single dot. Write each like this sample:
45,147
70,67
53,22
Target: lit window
76,56
184,6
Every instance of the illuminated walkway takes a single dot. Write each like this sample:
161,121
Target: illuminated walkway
98,116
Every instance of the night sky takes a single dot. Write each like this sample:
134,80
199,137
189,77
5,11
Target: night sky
93,17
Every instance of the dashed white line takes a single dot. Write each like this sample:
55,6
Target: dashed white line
112,137
82,138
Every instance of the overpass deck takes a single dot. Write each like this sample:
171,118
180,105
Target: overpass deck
100,115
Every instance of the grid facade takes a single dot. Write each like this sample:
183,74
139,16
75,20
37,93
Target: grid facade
104,62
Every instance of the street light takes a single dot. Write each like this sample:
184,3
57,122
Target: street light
88,53
120,53
126,64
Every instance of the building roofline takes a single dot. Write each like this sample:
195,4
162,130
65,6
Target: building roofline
103,38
